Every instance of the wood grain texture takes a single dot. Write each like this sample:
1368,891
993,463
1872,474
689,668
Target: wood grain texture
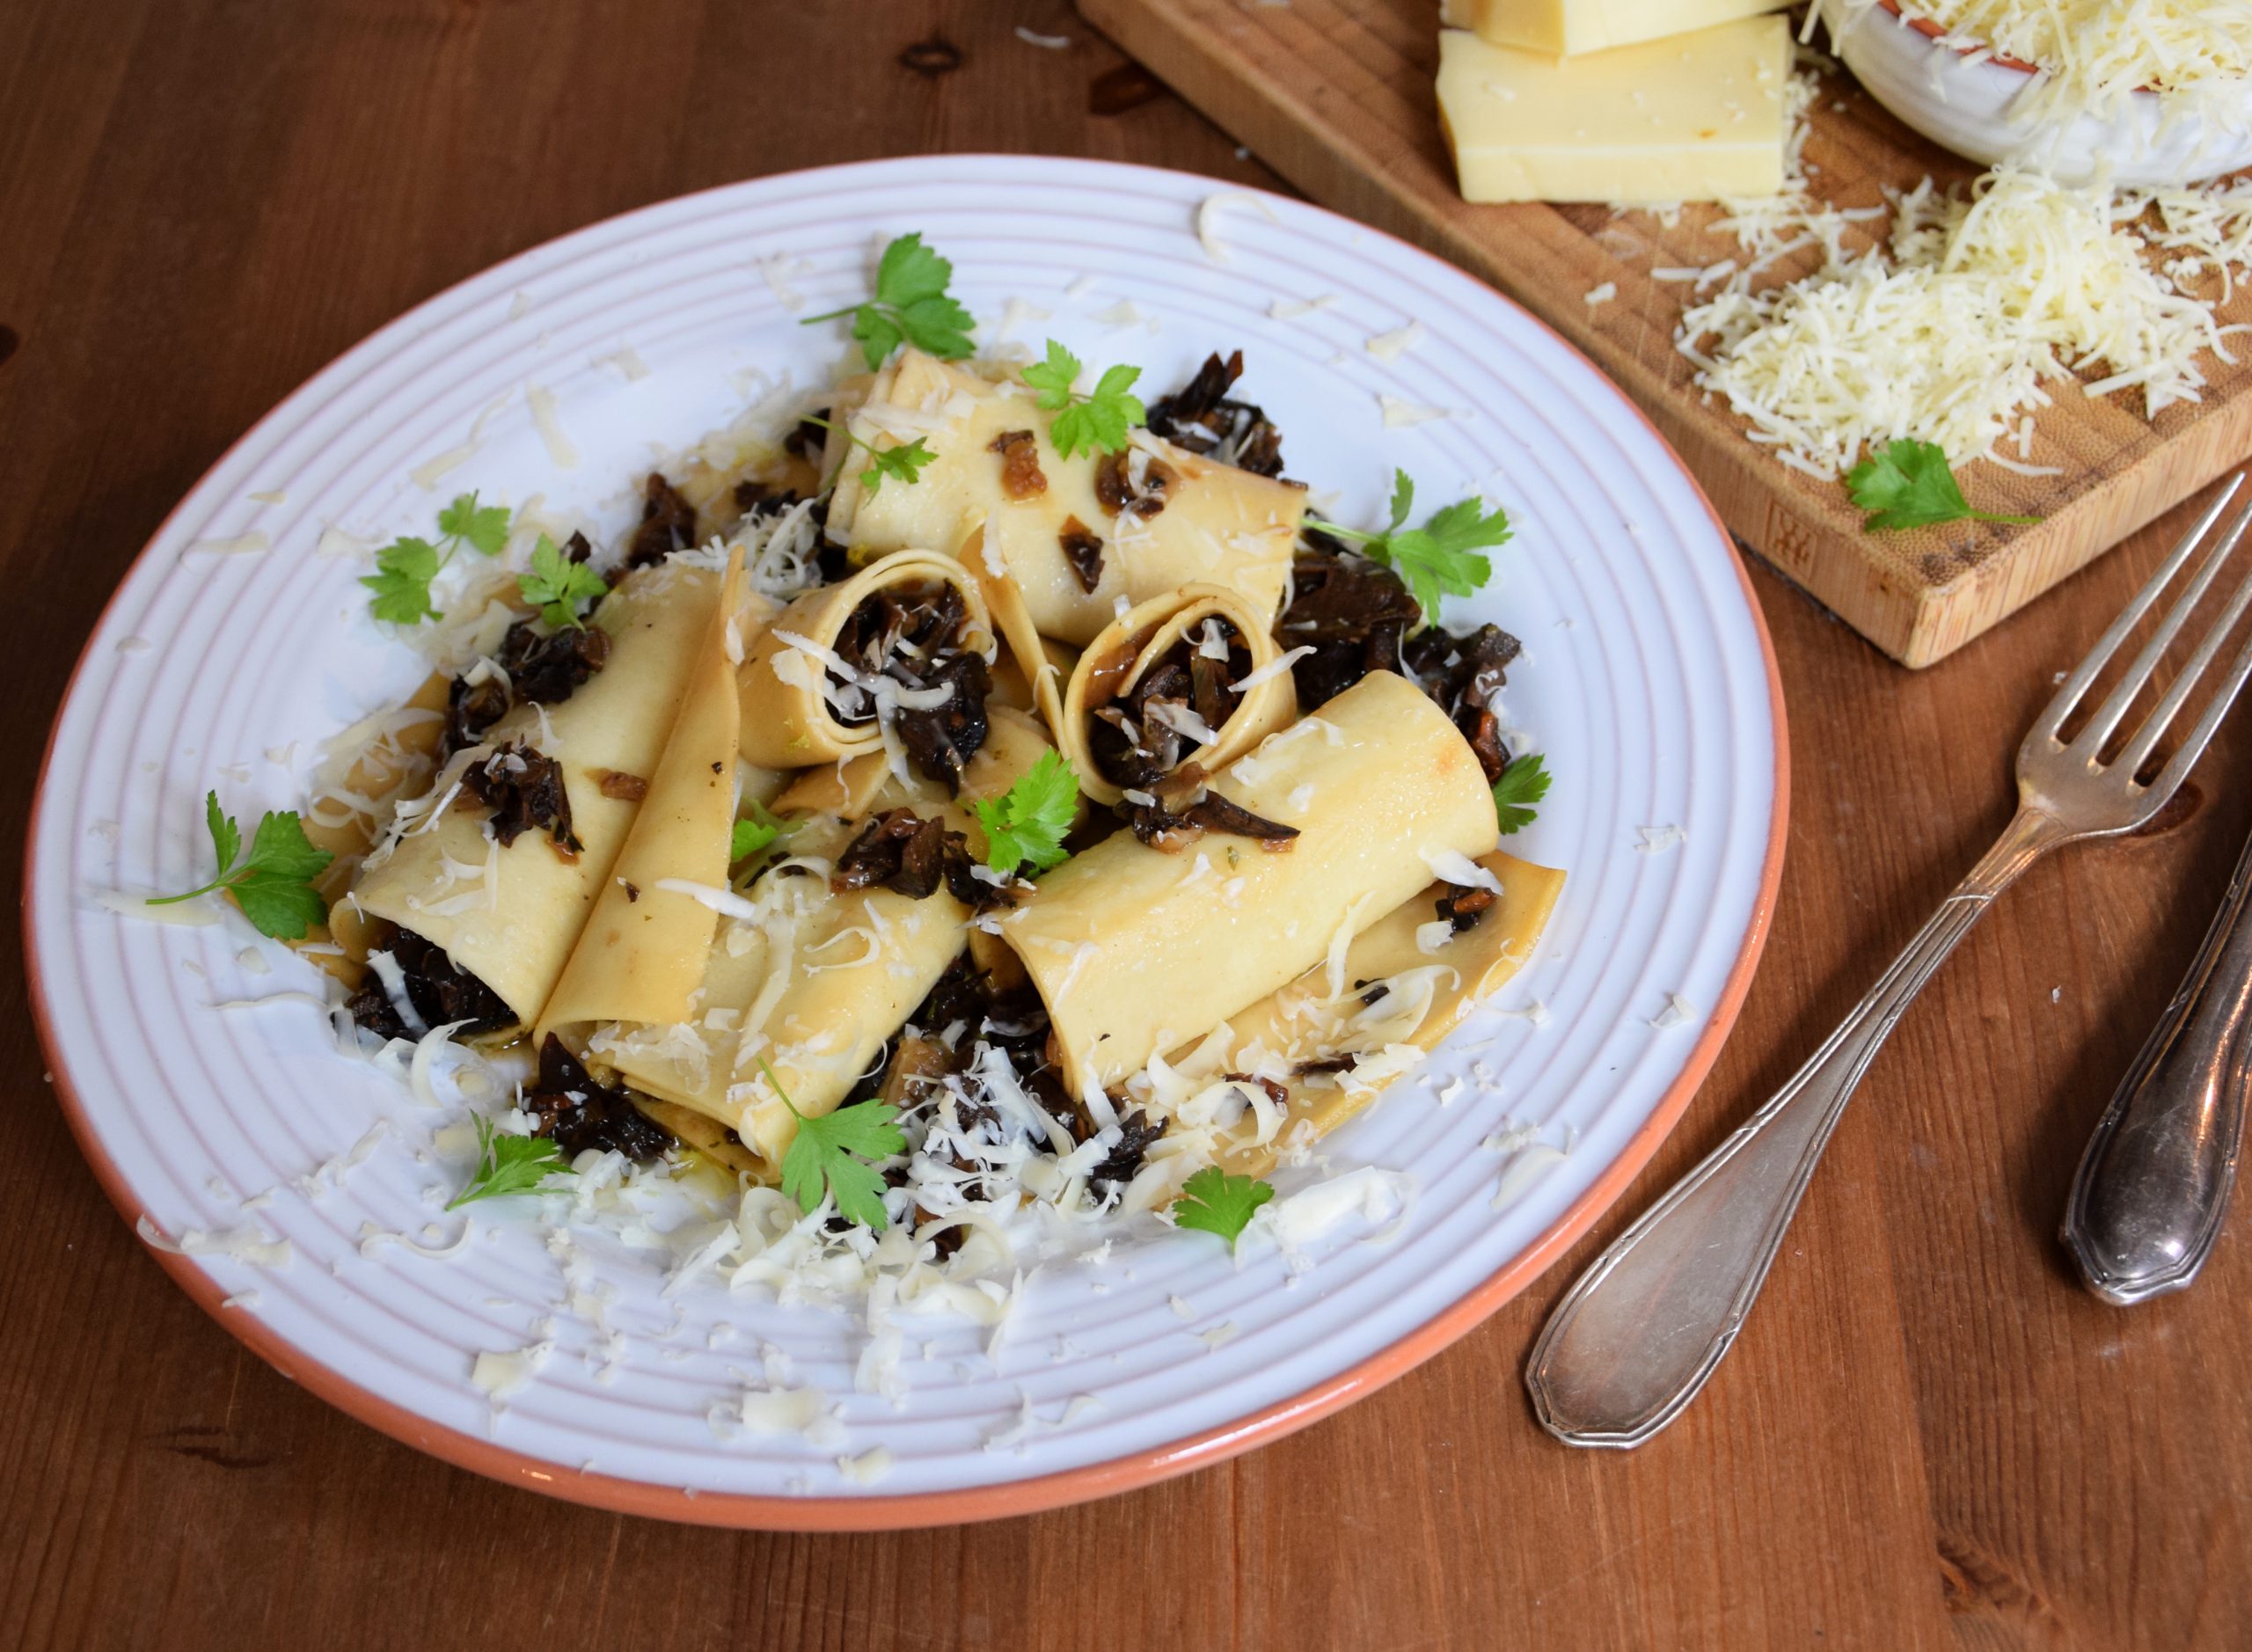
1928,1437
1337,96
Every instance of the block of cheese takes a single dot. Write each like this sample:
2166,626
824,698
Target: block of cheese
1566,27
1690,117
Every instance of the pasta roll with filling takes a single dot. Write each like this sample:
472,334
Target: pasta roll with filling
1193,676
899,652
1066,537
509,913
818,960
1135,951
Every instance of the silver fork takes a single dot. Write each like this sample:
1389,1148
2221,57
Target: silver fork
1643,1330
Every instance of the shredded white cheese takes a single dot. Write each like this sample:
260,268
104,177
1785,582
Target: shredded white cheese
562,452
1208,220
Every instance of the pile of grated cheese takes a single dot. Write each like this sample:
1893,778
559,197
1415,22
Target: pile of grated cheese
1980,300
2093,54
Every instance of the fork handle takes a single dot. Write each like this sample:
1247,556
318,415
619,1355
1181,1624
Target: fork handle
1643,1330
2147,1202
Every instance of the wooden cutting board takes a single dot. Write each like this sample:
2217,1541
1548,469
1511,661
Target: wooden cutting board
1336,95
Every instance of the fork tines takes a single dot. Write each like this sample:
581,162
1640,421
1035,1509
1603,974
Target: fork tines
2089,744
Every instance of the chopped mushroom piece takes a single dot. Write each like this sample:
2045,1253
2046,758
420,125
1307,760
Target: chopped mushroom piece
1134,482
1021,477
668,523
1083,550
525,789
440,990
1200,418
579,1115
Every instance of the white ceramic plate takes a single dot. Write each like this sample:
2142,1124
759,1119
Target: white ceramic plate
1647,680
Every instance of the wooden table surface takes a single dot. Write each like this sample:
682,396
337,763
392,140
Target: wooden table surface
1928,1436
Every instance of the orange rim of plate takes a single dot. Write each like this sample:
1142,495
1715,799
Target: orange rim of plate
1008,1498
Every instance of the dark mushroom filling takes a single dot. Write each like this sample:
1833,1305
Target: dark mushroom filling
1083,550
668,523
1464,675
525,789
439,990
1145,734
902,851
1354,614
1200,418
914,635
568,1106
757,501
537,666
1463,908
1133,482
968,1008
1183,808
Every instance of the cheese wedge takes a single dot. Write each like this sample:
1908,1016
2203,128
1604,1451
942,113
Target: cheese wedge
1691,118
1567,26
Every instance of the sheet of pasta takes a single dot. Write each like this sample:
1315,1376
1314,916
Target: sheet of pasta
511,914
1404,985
1055,557
803,984
1135,950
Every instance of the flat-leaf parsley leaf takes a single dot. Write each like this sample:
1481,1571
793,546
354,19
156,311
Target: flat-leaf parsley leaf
821,1155
273,885
558,585
1523,784
1095,422
903,460
1906,484
406,566
1029,822
911,303
1216,1203
1438,560
750,836
509,1163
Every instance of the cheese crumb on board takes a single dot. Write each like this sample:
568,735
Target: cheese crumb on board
1983,298
1566,27
1691,118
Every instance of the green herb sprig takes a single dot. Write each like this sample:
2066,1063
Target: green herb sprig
1029,822
904,461
911,304
1523,784
762,828
1095,421
406,567
557,586
1216,1203
1439,559
274,886
508,1164
1907,484
822,1156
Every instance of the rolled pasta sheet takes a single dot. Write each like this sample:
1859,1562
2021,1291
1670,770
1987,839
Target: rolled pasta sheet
804,701
1135,951
809,981
1407,982
514,923
640,957
1192,677
1052,529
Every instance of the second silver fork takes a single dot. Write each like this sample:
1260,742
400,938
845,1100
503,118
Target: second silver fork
1641,1331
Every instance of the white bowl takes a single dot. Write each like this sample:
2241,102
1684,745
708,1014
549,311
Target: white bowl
1967,107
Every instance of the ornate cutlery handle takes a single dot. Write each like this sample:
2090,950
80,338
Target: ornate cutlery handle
1644,1328
2147,1202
